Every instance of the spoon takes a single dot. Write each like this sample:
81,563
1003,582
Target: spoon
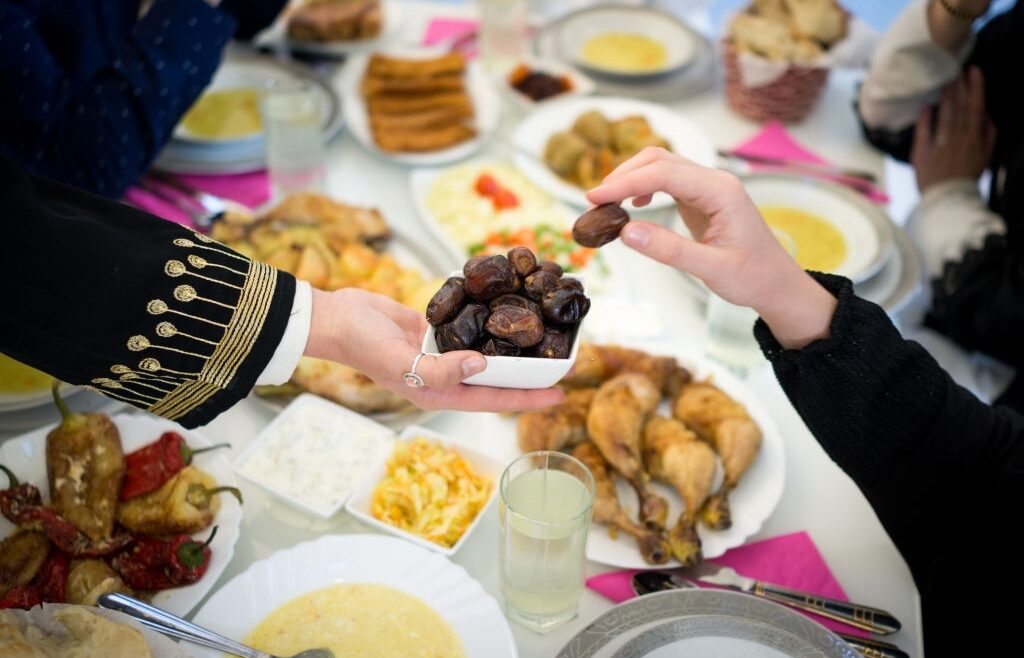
176,627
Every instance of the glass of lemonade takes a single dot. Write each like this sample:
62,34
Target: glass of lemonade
293,130
546,503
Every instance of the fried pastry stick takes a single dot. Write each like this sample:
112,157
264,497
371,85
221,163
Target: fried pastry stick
599,363
399,104
616,419
426,120
434,139
385,66
675,455
556,428
653,547
425,84
726,425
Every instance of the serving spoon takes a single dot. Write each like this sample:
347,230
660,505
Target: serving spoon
176,627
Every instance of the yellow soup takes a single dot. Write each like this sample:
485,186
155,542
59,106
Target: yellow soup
368,621
819,246
17,378
624,52
225,114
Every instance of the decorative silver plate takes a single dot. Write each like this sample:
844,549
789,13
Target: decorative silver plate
701,624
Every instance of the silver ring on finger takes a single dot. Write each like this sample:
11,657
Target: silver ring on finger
411,379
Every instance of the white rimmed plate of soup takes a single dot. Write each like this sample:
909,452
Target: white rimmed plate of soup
828,227
358,595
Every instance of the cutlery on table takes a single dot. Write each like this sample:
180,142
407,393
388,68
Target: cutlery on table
646,582
816,167
212,206
201,218
176,627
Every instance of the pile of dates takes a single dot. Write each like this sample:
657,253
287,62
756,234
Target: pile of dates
509,306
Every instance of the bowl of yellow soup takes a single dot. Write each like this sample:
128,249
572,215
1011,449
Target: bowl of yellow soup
627,42
223,115
22,386
827,227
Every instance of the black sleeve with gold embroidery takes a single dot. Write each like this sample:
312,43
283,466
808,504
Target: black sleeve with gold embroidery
103,295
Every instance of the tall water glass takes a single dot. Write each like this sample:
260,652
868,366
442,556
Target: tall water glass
504,33
293,130
546,503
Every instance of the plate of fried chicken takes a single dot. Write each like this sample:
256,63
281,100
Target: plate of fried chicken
686,461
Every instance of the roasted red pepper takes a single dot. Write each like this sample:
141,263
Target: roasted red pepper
152,564
49,585
22,504
149,467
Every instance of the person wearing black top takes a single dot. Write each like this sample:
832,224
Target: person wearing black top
99,294
92,91
943,471
975,254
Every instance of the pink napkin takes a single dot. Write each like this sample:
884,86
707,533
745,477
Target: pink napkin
790,560
251,190
774,141
460,33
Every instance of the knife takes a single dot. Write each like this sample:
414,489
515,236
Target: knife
646,582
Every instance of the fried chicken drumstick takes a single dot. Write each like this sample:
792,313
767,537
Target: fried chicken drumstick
674,454
596,364
653,546
616,419
556,428
726,425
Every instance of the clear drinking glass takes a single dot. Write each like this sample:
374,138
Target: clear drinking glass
731,339
546,503
504,35
293,130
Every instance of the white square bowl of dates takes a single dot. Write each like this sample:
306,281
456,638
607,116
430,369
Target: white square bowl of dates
509,366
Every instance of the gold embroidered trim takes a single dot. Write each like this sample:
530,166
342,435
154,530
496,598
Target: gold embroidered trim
177,392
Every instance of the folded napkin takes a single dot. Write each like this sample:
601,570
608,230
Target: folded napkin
774,141
789,560
250,190
458,33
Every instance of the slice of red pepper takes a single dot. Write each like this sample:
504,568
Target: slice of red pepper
151,466
22,597
151,564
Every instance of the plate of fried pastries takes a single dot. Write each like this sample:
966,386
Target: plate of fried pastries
567,147
687,462
335,28
418,107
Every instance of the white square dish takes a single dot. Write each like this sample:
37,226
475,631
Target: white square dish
581,84
314,454
360,503
522,372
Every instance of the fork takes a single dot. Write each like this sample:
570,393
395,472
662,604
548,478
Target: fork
176,627
213,206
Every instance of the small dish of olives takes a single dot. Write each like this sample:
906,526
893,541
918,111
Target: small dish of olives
524,316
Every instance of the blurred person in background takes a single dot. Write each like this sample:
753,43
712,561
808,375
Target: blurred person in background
943,471
946,99
93,88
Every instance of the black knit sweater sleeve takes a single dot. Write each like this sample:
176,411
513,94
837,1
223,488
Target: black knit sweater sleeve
942,470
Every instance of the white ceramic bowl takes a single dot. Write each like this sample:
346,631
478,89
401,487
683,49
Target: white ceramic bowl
360,503
344,424
518,371
581,84
678,39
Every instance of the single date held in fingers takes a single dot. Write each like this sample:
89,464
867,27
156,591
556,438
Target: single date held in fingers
600,225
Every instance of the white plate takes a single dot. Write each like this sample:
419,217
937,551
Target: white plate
752,501
45,413
581,84
391,23
684,137
698,623
361,502
864,226
238,606
486,106
900,278
19,401
26,457
678,39
244,68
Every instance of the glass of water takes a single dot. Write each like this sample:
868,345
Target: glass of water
293,131
546,503
504,33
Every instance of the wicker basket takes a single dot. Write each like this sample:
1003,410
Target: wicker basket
789,98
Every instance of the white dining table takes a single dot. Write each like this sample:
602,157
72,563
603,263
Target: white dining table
817,498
